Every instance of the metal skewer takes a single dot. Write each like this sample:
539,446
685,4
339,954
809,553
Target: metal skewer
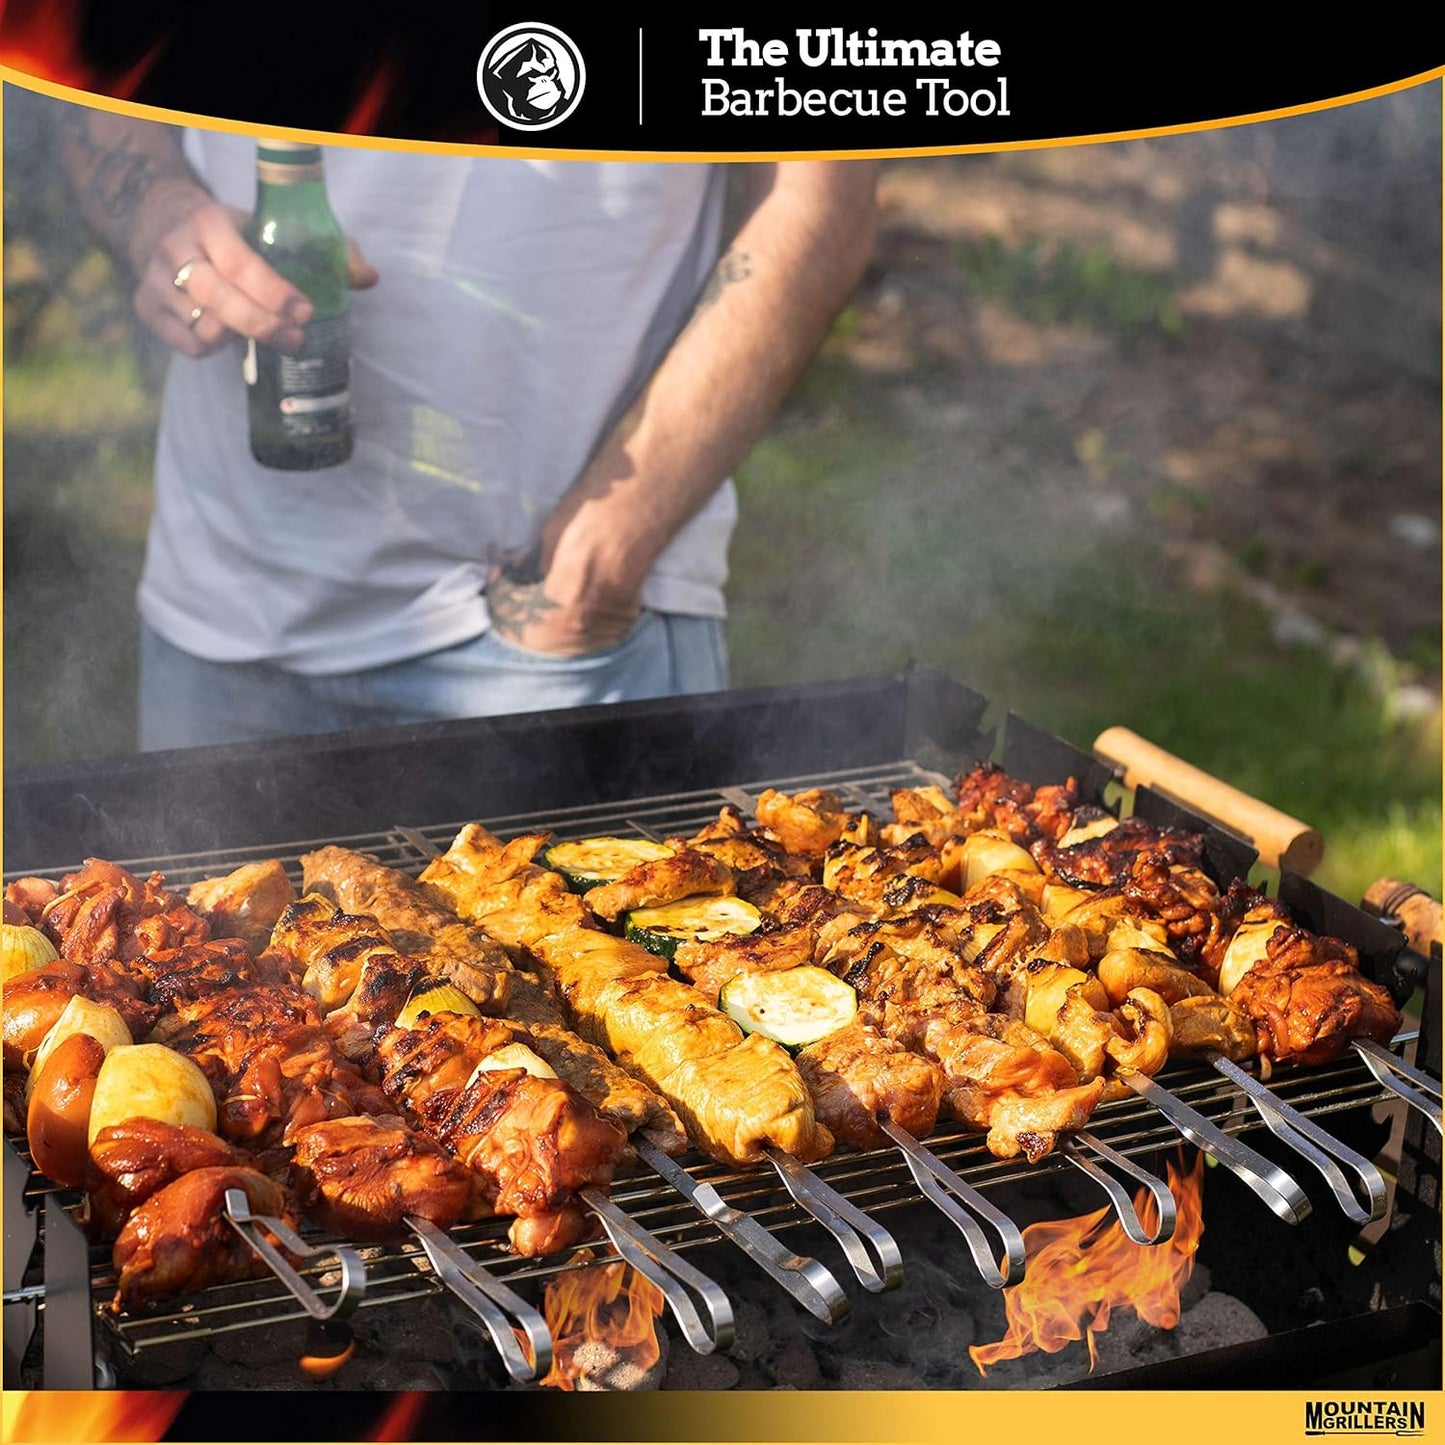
1398,1077
1134,1228
961,1202
1269,1181
810,1283
674,1276
353,1273
870,1249
1312,1143
491,1301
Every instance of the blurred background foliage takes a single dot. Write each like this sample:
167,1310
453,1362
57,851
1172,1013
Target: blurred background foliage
1142,433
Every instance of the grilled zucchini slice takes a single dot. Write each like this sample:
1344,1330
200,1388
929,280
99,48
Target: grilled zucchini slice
703,918
794,1007
590,862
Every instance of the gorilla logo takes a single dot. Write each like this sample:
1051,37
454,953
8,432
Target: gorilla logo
531,76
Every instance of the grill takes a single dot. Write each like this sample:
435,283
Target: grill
640,769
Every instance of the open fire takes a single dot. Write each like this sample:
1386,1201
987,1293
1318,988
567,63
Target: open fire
602,1324
1080,1270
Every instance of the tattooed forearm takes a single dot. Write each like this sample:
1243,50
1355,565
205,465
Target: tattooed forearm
114,163
734,266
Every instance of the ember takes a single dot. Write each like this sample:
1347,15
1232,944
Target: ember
1079,1272
601,1321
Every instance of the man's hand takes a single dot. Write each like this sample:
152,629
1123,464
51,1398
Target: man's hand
199,283
235,290
553,612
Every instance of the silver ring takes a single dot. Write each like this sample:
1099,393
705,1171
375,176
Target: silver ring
184,274
196,313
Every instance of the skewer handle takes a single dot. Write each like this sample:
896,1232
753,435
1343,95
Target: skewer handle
961,1203
682,1286
1282,841
809,1282
250,1227
502,1311
1129,1221
1313,1144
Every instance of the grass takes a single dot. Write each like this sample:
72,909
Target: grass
1064,284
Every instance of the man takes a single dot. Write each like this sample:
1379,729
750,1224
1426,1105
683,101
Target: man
552,376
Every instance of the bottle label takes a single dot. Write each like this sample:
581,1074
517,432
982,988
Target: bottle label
312,386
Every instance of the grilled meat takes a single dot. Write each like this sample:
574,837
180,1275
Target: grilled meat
663,880
858,1076
461,953
135,1159
1307,999
736,1096
361,1177
179,1240
807,823
708,966
415,923
246,903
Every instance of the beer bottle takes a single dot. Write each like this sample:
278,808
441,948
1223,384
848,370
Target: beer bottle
300,403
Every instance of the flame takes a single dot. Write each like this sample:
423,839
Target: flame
610,1304
1079,1272
366,113
64,1415
399,1419
42,38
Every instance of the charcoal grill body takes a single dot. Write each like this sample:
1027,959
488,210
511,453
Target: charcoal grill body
187,810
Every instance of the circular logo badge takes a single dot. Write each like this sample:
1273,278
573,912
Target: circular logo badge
531,76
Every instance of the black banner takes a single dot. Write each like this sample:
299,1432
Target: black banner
562,77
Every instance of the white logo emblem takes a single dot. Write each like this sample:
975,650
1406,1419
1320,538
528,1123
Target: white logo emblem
531,76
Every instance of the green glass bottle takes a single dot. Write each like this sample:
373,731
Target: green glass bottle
300,404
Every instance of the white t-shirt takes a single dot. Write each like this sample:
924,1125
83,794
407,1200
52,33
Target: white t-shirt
521,305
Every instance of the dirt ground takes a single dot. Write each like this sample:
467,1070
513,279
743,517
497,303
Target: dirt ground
1273,421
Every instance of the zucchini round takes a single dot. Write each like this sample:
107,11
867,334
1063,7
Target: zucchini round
590,862
794,1007
702,918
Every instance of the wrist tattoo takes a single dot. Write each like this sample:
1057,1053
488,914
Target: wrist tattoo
517,605
524,569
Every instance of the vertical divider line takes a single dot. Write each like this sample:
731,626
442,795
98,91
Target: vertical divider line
639,75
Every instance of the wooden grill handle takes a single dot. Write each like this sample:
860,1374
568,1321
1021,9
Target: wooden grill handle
1282,841
1419,914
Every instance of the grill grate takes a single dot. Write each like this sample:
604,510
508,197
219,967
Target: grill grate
877,1181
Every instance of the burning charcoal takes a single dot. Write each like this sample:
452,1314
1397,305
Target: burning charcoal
876,1375
691,1371
795,1367
752,1335
600,1366
1217,1320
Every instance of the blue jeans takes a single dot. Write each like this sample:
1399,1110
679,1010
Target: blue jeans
186,701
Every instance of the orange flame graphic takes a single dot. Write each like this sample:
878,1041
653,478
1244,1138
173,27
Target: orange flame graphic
57,1416
42,38
399,1419
1079,1272
608,1304
365,115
